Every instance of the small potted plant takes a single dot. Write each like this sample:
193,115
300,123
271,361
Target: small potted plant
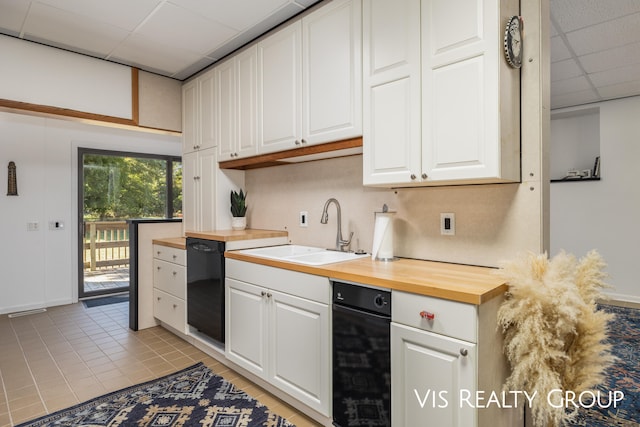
238,210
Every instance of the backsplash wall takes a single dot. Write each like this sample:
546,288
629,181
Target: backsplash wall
493,222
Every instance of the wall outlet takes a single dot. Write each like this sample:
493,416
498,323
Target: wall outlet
56,225
304,219
448,224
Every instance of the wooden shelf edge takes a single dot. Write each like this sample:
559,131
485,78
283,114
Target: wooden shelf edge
278,159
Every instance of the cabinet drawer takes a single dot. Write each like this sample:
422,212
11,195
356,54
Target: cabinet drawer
170,310
170,278
454,319
166,253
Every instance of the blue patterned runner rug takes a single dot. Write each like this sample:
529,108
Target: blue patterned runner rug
191,397
624,375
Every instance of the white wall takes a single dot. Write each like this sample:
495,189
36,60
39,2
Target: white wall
605,215
39,268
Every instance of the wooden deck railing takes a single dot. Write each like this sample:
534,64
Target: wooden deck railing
106,244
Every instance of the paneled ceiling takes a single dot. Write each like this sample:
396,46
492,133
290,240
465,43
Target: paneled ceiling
173,38
595,50
595,44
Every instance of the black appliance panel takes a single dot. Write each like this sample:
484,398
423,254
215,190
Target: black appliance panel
205,287
361,356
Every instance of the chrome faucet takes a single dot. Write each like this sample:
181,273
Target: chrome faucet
341,244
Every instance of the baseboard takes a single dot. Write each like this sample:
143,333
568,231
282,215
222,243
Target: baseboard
622,300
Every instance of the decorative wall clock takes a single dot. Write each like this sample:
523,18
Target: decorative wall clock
513,42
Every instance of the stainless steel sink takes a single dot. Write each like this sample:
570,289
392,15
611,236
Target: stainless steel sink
308,255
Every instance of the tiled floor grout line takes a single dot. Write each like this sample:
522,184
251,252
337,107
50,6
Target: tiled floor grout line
4,389
26,361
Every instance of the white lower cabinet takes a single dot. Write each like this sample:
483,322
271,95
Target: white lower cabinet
170,287
447,366
280,334
429,372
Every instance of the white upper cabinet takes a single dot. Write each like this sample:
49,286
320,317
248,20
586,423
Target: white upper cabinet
391,98
237,105
198,114
310,79
465,128
280,86
332,72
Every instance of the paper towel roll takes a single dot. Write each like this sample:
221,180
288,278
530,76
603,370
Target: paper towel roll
383,236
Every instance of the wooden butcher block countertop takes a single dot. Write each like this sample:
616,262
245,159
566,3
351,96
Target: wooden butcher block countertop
234,235
172,242
462,283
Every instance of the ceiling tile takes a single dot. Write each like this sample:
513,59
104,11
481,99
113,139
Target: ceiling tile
612,58
562,70
64,29
559,50
616,75
125,14
574,84
574,98
13,15
148,54
620,90
607,35
256,31
175,27
574,14
238,14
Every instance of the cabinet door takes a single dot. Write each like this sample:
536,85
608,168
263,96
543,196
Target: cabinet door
207,110
247,102
190,194
462,116
428,376
207,165
391,92
332,72
190,135
246,326
226,109
280,89
300,349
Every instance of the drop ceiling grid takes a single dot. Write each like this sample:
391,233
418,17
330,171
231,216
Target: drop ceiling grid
595,44
595,51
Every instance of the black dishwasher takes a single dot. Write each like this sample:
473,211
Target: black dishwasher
205,287
361,356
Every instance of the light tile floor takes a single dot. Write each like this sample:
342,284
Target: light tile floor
69,354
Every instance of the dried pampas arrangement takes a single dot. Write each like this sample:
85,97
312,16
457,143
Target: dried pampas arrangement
554,337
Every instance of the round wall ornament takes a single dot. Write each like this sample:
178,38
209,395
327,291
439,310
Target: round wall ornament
513,41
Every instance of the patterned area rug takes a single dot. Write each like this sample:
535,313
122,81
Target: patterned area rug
624,375
193,397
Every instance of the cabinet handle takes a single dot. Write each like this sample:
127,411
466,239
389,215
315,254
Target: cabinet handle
304,141
263,293
413,176
464,352
427,315
175,256
158,298
269,295
297,142
176,305
424,176
158,267
158,252
175,273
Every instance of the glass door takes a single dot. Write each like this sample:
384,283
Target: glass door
114,187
